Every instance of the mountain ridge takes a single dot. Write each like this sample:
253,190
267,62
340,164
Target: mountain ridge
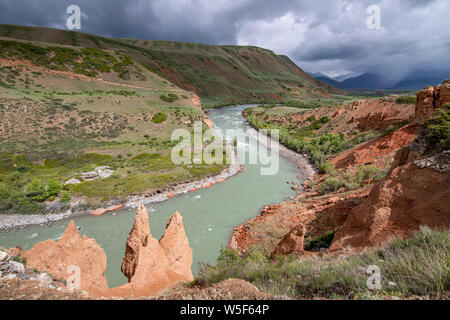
220,75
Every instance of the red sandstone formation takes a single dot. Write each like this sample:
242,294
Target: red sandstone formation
71,253
292,242
369,151
414,193
197,101
102,211
151,265
377,114
317,214
431,99
407,198
359,116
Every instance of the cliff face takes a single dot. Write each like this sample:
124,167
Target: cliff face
150,265
430,99
414,193
71,253
407,198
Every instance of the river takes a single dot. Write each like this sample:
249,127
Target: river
208,214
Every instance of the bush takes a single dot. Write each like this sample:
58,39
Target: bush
438,129
366,172
406,99
318,242
36,189
169,98
65,196
159,117
53,189
311,118
324,120
332,184
326,167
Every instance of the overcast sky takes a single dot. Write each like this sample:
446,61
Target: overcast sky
329,36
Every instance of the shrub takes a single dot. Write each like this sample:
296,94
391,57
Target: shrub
324,120
366,172
53,189
311,118
332,184
406,99
326,167
169,98
320,241
36,188
65,196
159,117
438,129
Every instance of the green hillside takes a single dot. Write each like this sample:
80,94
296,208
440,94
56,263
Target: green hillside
218,74
66,110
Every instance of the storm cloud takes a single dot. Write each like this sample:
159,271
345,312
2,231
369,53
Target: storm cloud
328,36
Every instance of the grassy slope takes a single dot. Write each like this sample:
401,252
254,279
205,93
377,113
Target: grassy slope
418,266
219,74
55,111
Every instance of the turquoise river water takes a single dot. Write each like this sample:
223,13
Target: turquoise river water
208,214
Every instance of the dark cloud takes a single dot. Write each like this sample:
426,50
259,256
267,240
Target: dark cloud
328,36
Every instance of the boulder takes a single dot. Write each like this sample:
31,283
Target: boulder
16,267
102,211
72,181
104,172
292,242
3,256
44,278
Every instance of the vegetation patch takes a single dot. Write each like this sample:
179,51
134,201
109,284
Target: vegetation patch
319,242
438,129
416,266
159,117
87,61
169,98
406,99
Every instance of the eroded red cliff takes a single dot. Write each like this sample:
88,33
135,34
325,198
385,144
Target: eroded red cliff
150,265
69,257
430,99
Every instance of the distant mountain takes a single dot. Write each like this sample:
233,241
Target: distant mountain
375,81
345,76
328,80
425,80
365,81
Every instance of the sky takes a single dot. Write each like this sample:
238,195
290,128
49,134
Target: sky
327,36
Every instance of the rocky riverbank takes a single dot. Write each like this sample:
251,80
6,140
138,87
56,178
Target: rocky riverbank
78,207
305,169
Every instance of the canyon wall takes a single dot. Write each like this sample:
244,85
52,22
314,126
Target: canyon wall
430,99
